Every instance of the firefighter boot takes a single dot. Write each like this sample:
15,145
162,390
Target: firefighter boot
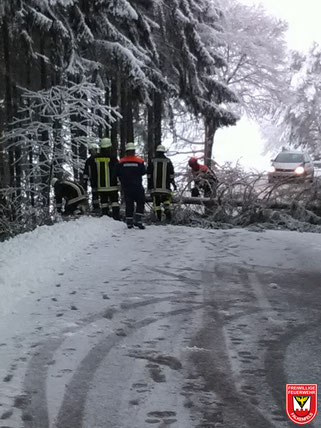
159,215
168,214
130,222
104,209
116,213
139,221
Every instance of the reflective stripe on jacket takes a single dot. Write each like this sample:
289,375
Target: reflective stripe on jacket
160,174
106,172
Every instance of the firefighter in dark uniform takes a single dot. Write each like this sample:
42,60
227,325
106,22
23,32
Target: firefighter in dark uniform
105,179
160,175
204,179
131,169
89,173
73,195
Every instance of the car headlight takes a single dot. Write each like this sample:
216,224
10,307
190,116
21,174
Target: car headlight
299,170
271,169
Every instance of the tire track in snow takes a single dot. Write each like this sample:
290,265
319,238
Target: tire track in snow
295,332
265,335
36,375
71,411
35,385
216,366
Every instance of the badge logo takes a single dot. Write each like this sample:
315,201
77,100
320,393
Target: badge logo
301,402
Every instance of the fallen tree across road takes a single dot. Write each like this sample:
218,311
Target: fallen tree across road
259,203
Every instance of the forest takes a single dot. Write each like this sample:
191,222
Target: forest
74,71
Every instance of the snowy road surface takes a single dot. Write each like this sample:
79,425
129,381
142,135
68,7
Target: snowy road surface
102,327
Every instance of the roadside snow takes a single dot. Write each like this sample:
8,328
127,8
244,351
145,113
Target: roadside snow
30,262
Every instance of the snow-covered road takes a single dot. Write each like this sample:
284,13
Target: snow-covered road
172,326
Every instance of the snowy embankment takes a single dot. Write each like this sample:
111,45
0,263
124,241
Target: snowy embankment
29,262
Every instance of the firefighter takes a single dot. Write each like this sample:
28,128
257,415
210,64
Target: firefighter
160,175
204,179
90,174
73,195
131,169
105,179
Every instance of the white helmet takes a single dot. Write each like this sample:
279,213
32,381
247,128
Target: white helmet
105,143
160,148
130,146
54,181
93,146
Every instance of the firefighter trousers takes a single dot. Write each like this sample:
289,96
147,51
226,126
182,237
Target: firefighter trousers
132,197
95,199
164,199
110,199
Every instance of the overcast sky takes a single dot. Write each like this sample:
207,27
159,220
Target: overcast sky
243,140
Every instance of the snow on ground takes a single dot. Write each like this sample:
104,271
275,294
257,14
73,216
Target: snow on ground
29,262
56,278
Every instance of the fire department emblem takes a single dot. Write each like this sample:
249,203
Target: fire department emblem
301,402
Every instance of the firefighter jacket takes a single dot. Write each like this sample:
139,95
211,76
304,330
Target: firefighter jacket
202,173
130,170
105,173
90,170
160,174
71,192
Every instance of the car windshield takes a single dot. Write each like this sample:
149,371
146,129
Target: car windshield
289,158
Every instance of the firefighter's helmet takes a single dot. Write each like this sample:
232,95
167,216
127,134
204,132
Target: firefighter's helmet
93,146
129,147
160,148
105,143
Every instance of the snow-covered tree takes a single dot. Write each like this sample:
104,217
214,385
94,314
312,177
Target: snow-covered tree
146,59
254,49
60,104
298,118
191,63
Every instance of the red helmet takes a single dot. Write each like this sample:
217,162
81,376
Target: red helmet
192,162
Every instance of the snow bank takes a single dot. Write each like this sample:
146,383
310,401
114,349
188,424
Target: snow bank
33,260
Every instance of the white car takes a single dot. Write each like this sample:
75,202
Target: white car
290,165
